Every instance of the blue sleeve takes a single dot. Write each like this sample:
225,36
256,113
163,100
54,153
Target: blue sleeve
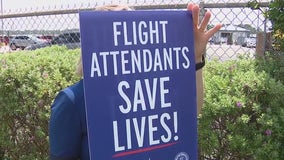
64,129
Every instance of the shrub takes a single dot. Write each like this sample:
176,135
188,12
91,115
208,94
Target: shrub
273,65
243,112
29,81
241,118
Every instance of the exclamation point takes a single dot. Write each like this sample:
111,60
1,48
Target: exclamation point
175,126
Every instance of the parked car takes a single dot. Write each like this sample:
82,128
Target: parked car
224,40
4,40
251,42
23,41
70,39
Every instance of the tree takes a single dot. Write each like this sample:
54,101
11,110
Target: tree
275,14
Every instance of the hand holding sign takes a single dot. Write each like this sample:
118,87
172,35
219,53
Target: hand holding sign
201,35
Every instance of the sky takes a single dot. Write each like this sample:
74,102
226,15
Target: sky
21,6
13,5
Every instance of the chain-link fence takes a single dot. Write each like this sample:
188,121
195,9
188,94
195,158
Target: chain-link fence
243,33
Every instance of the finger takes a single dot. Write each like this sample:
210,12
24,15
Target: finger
195,16
213,30
190,6
205,21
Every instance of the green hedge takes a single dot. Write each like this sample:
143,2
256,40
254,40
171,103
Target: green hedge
29,81
243,113
242,116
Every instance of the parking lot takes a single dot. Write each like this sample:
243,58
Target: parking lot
221,52
5,49
225,52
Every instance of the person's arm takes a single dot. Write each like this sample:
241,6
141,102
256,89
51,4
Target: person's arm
199,90
201,37
64,129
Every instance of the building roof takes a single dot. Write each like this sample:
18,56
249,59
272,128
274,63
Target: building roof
233,28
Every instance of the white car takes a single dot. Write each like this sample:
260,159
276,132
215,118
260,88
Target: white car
251,42
224,40
23,41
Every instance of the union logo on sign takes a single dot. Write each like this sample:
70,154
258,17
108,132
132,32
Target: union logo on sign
182,156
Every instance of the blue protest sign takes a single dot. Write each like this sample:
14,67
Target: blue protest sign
139,81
